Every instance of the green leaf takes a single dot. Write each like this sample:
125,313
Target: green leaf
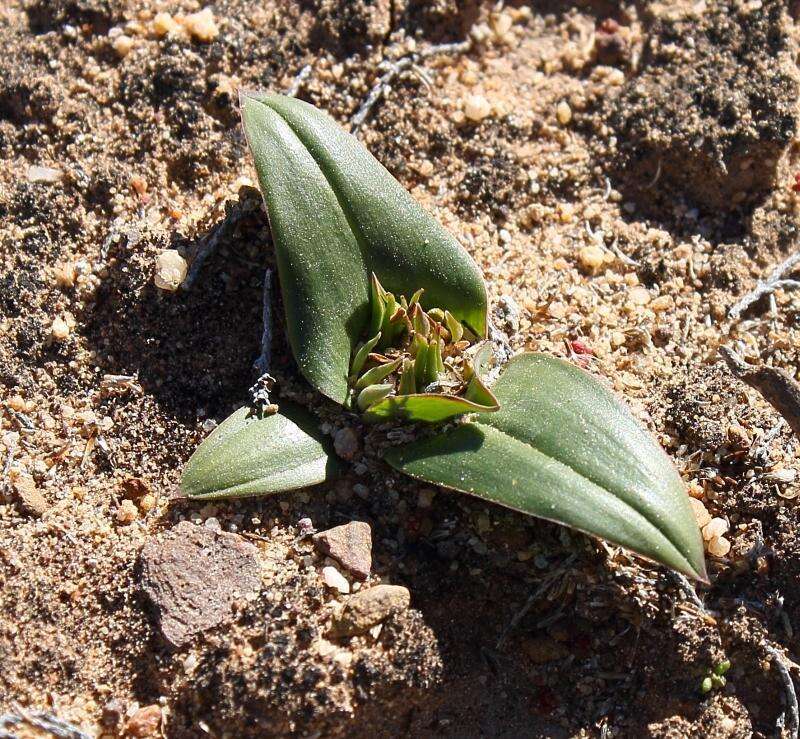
362,354
426,408
376,374
337,216
372,394
564,448
250,455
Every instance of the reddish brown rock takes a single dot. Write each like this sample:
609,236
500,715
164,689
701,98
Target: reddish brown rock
146,722
350,545
193,575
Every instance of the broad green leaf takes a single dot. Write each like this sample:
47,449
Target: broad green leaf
337,216
564,448
426,408
251,455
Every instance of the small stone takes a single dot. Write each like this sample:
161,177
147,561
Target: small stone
335,579
663,303
112,714
171,268
29,497
147,503
145,723
350,545
201,25
425,497
59,329
66,274
476,108
591,258
502,24
563,113
639,295
134,487
719,546
164,23
368,608
17,403
346,443
194,575
714,528
123,45
701,514
127,512
46,175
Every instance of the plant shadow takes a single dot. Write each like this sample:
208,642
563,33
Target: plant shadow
192,350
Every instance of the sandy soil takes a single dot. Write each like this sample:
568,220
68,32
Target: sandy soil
661,135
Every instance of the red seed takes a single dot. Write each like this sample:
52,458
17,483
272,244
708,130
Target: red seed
580,348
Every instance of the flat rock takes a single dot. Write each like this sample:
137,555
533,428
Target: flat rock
350,545
193,575
368,608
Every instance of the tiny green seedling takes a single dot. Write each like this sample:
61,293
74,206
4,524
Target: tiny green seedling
387,315
715,678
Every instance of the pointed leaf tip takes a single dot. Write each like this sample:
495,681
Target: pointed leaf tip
337,216
563,448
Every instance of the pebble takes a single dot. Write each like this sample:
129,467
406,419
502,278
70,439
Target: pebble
335,579
59,329
663,303
350,545
66,274
29,497
46,175
591,258
146,722
639,295
147,503
476,108
714,528
719,546
194,576
171,268
701,514
368,608
164,23
346,443
112,713
127,512
123,45
563,113
201,25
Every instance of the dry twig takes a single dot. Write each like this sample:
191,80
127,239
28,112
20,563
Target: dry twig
262,364
779,389
789,721
393,69
46,722
774,282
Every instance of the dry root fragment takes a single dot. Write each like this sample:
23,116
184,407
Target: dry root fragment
779,389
